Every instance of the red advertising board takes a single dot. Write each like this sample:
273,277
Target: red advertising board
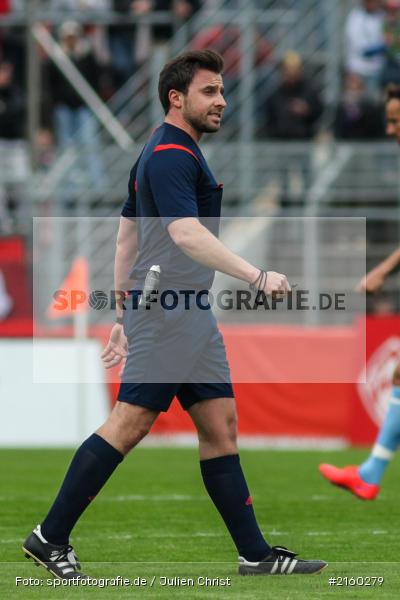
287,409
369,399
15,280
350,412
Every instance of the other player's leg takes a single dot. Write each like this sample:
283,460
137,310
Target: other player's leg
216,423
91,467
364,480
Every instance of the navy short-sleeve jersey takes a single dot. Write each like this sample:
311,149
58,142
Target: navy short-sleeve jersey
171,180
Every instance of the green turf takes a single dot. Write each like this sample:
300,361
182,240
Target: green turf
154,519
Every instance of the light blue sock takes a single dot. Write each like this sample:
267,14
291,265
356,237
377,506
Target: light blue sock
372,470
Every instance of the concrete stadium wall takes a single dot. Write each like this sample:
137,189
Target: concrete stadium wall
37,410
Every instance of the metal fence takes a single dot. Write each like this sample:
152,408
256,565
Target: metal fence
317,234
261,177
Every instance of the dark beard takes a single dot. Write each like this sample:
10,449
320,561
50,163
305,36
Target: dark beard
200,126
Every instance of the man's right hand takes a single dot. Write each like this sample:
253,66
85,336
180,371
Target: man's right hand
116,349
372,281
276,283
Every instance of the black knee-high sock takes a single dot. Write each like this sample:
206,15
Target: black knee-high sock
92,465
227,487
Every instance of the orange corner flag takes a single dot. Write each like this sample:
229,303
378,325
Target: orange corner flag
71,297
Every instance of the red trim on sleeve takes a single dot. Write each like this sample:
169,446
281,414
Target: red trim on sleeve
161,147
135,186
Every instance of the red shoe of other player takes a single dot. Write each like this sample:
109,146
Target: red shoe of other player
349,478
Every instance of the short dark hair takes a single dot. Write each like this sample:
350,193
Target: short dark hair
392,92
178,73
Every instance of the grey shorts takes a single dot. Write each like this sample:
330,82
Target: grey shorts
177,352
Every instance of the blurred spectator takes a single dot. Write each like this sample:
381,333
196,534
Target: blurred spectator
69,6
12,150
122,42
364,40
391,71
45,148
10,6
357,116
294,108
13,50
180,10
73,120
185,9
130,44
11,104
383,307
227,41
96,33
292,112
5,7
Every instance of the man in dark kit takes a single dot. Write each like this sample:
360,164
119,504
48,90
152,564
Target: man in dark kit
170,223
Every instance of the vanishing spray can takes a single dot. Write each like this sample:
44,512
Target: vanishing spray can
151,285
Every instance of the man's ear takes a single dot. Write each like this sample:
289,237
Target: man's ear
175,99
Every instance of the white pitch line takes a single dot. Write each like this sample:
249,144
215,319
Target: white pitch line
319,498
134,498
155,498
139,536
181,535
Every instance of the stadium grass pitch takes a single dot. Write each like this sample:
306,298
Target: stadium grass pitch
154,519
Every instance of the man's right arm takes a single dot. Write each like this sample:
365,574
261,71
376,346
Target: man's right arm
125,257
116,349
